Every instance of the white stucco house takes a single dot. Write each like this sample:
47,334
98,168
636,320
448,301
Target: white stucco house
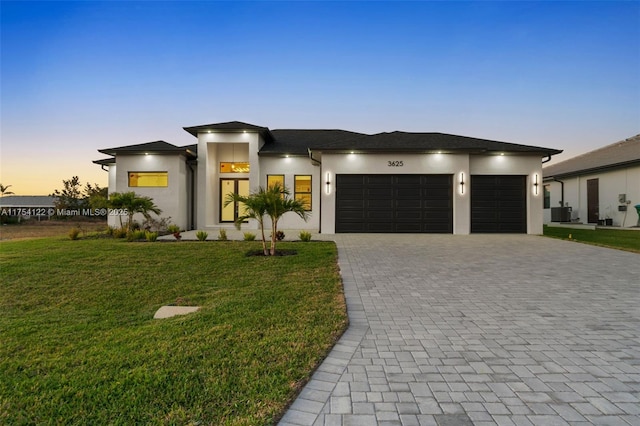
395,182
600,187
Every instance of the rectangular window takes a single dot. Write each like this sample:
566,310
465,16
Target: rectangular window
547,197
148,179
234,167
302,190
275,179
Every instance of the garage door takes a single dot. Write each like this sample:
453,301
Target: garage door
498,204
394,203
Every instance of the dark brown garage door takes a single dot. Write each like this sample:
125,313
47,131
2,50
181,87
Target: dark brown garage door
498,204
394,203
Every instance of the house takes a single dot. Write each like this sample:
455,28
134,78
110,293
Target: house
600,187
26,206
395,182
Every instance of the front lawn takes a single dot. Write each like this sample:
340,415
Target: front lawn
79,344
614,238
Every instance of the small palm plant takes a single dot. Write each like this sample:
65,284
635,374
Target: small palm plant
273,202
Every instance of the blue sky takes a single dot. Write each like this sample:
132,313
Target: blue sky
80,76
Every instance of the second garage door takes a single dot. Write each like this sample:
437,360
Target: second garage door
394,203
498,204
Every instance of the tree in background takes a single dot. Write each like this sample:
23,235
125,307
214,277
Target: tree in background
73,196
133,203
97,197
4,190
70,197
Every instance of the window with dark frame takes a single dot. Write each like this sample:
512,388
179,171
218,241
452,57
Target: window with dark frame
547,197
148,179
302,190
275,179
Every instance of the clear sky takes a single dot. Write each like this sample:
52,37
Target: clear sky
80,76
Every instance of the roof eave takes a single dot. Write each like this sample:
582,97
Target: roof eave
591,170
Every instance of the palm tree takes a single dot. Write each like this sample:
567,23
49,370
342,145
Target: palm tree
278,204
254,207
133,203
3,190
273,202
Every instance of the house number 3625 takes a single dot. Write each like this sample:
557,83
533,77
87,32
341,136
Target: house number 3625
395,163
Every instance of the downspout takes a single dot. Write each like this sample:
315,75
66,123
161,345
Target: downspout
192,198
313,160
547,159
561,191
102,167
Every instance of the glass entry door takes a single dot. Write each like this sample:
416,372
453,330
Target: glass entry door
232,186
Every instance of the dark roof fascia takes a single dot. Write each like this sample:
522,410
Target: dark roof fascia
178,150
105,161
282,154
592,170
230,127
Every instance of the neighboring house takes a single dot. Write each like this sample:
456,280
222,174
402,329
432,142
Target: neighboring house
27,205
599,187
351,182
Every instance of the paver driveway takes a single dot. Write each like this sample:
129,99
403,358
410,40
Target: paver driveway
481,329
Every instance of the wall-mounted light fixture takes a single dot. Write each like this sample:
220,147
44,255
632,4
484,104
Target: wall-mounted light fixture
462,183
535,184
327,184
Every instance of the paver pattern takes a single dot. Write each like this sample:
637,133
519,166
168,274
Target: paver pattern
483,330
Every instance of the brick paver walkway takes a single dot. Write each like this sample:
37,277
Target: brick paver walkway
481,329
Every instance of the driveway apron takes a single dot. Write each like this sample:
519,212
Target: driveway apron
480,329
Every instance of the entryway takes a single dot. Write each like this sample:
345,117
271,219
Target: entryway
232,186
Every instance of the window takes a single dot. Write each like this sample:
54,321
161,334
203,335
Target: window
234,167
302,190
547,197
275,179
148,179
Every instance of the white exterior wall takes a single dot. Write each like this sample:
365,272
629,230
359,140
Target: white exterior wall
212,149
173,199
531,166
452,164
290,167
112,220
610,185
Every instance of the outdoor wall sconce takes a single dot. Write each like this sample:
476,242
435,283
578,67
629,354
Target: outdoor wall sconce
327,183
461,183
535,184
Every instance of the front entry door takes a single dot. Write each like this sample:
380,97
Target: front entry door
593,201
232,186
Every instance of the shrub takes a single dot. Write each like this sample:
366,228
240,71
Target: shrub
160,225
135,235
110,231
151,236
201,235
74,233
222,235
173,228
119,232
305,236
248,236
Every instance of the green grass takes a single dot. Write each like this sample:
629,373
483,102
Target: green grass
79,345
613,238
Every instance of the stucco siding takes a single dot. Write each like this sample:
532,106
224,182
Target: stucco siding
610,185
171,199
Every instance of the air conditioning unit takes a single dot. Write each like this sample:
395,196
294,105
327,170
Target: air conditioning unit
560,214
